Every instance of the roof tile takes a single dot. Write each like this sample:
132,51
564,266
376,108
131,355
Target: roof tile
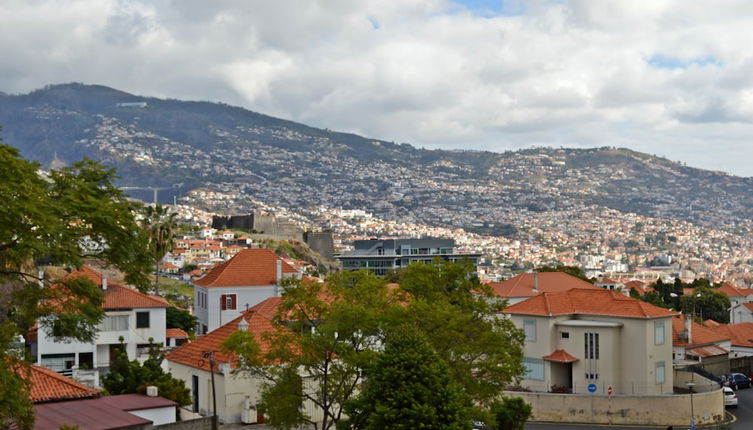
249,267
259,320
522,285
588,302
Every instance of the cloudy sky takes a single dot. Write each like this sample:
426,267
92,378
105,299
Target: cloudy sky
667,77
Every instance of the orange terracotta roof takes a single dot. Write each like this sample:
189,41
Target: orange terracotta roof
699,335
732,291
739,334
176,333
50,386
259,320
250,267
561,356
711,323
522,285
607,281
587,302
636,285
118,296
748,306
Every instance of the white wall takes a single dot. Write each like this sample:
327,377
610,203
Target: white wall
158,416
214,317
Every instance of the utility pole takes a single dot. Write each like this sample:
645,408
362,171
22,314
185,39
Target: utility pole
210,355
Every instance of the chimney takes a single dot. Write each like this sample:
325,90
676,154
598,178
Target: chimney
151,391
279,271
535,282
688,328
104,284
243,325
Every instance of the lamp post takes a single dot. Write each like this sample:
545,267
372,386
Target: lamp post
692,412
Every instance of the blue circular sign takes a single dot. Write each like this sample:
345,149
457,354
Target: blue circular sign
592,388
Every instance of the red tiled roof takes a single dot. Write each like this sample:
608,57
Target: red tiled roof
636,285
607,281
522,285
176,333
739,334
561,356
259,319
118,296
587,302
732,291
250,267
699,335
50,386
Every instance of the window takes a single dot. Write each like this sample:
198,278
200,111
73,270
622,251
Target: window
114,323
565,335
592,345
534,368
660,372
142,319
227,301
529,327
659,332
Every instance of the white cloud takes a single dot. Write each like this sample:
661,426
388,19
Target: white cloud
661,76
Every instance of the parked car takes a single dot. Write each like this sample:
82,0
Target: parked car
730,398
736,381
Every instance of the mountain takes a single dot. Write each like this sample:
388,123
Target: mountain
249,158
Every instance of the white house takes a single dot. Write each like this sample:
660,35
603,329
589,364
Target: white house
138,318
248,278
237,394
585,340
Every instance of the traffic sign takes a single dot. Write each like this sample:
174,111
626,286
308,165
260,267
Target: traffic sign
609,391
591,388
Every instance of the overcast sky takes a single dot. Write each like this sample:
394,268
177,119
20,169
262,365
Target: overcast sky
672,78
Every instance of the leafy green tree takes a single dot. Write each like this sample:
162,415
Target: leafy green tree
511,413
62,218
178,318
706,303
447,303
570,270
327,332
330,333
161,226
409,386
128,377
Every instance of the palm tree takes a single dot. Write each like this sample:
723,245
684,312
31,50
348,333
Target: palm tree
161,226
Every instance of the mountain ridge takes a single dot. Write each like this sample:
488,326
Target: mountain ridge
288,164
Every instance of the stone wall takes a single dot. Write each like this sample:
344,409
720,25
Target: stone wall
661,410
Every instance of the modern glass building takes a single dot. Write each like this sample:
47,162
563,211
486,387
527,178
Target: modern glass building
381,255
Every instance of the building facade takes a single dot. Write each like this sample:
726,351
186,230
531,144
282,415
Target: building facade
233,287
586,341
139,320
381,255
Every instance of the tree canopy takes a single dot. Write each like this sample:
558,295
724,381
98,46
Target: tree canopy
331,333
408,387
126,377
62,217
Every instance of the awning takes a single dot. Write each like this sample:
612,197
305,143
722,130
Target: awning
560,356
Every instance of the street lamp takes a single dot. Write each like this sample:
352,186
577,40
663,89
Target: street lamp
692,412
